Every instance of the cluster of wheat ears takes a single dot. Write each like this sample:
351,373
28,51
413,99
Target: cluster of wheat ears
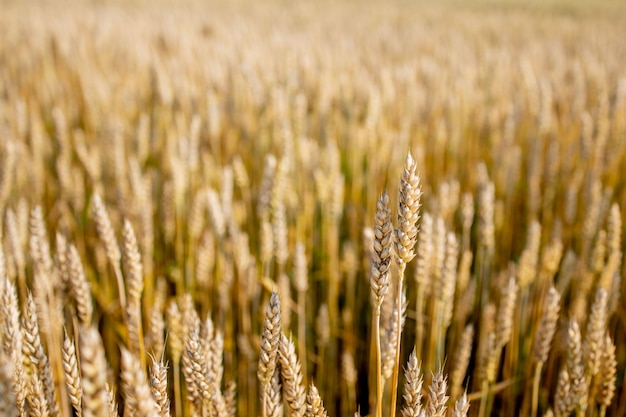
233,209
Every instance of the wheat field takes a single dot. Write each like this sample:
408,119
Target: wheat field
309,209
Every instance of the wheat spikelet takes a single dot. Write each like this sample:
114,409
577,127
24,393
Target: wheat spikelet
291,374
195,370
408,212
10,320
38,242
527,269
595,331
61,262
155,336
461,407
383,239
314,404
230,399
216,213
412,388
8,401
137,393
79,287
133,269
176,333
267,183
14,252
547,325
562,408
105,230
437,396
280,234
486,203
607,371
445,291
93,366
425,250
216,355
270,340
35,398
504,318
111,402
33,349
158,386
577,397
273,393
133,272
72,375
462,358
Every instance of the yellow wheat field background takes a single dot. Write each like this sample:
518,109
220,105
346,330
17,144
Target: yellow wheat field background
308,209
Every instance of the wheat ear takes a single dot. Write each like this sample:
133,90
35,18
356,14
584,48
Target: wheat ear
293,390
93,367
158,385
72,375
136,391
404,243
412,387
379,282
270,339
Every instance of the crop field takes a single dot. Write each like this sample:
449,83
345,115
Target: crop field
312,208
